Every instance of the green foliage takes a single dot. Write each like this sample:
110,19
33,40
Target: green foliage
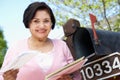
80,9
117,24
1,59
3,47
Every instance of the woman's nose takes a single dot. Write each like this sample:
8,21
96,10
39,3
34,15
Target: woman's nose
41,25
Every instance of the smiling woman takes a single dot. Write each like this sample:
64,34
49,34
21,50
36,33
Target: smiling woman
40,25
39,19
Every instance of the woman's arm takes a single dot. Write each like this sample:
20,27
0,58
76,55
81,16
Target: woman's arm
7,59
69,58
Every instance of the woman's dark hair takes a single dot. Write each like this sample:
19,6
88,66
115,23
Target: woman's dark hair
31,10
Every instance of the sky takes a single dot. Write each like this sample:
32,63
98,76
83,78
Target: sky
11,16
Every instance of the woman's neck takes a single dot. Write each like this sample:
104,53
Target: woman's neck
37,43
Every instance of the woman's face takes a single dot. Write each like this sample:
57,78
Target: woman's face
40,25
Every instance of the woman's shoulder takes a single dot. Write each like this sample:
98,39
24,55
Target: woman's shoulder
17,46
19,42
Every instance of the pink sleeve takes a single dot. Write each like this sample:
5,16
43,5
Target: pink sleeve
69,57
13,50
68,54
1,78
9,55
7,58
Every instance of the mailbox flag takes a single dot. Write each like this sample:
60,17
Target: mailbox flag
93,21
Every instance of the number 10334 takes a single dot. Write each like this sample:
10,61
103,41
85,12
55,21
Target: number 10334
100,68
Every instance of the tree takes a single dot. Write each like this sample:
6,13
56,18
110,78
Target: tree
3,47
80,9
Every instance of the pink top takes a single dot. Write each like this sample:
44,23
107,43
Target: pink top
31,70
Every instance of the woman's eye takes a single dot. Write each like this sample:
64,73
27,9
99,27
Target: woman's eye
46,21
36,21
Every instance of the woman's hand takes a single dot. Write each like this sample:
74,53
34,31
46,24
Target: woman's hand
65,77
11,74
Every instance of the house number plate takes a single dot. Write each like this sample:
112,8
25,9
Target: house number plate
102,68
